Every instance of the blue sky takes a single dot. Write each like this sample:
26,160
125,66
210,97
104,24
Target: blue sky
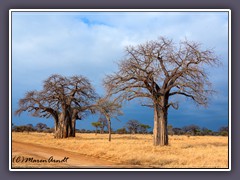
91,44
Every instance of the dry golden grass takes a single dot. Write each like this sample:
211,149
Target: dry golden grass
182,152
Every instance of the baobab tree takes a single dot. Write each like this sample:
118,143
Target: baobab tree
64,99
159,70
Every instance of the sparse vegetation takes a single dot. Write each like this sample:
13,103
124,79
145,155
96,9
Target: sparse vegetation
128,149
140,129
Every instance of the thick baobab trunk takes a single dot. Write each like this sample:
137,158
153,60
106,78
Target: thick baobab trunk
62,126
73,134
59,128
160,132
163,128
156,128
72,128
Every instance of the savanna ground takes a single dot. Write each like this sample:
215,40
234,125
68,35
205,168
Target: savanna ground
124,151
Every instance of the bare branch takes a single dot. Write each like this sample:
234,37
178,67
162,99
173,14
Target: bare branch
59,94
155,69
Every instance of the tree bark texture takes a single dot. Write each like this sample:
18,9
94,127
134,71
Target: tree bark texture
63,126
160,132
73,128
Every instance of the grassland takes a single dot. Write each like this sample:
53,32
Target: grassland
182,152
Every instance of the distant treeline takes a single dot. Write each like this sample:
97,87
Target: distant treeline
40,127
131,127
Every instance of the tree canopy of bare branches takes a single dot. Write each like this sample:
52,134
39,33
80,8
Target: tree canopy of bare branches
110,108
64,99
160,70
133,126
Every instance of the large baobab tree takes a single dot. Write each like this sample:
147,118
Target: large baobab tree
64,99
159,71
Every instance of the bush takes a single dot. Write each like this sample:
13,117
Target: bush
224,133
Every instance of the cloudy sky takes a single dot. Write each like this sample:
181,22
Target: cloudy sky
91,44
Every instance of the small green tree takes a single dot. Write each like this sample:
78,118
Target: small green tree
206,131
223,131
96,125
143,128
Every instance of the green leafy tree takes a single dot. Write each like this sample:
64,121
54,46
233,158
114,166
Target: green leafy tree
143,128
96,125
223,131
